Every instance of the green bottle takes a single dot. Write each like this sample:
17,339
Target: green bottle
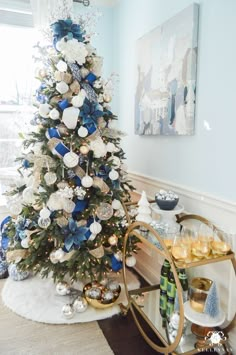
163,303
164,275
170,307
171,286
184,283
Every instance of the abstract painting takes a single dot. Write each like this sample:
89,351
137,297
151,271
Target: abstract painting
165,93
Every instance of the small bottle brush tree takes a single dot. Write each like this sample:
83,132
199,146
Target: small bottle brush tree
66,214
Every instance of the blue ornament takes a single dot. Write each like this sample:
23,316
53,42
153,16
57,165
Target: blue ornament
116,265
15,274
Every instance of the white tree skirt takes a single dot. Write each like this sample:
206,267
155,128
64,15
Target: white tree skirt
36,299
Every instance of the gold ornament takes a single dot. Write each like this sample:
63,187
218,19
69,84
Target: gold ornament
99,183
75,87
84,149
79,172
113,240
16,255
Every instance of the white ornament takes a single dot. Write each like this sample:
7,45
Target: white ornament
44,222
55,202
50,178
98,147
107,98
113,240
78,100
113,174
54,114
29,195
68,310
61,66
116,204
68,205
71,159
87,181
62,87
45,213
15,208
25,243
111,147
59,255
84,149
115,161
130,261
84,72
70,117
52,257
44,110
82,132
62,288
95,228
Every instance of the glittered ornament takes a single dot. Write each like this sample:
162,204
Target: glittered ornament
104,211
44,222
84,149
68,311
70,117
94,293
15,274
29,195
62,288
79,192
50,178
87,181
113,240
95,228
80,304
68,205
71,159
130,261
44,213
107,296
54,114
113,285
82,132
113,174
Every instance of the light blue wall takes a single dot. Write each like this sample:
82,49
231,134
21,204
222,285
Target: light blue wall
204,162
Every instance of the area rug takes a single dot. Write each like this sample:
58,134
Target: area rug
20,336
36,299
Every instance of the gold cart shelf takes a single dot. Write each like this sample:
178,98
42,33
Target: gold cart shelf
145,301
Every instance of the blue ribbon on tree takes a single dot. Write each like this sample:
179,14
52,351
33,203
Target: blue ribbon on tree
91,77
25,164
63,104
75,235
41,97
90,112
116,265
4,237
61,149
80,205
53,133
67,28
91,127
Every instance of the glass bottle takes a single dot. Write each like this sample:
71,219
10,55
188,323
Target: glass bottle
184,283
171,286
163,303
169,307
164,275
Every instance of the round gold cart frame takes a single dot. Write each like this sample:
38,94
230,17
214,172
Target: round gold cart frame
134,230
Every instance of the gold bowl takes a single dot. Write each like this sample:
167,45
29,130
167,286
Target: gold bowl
95,294
198,291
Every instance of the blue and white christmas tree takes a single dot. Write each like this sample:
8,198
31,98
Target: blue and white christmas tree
212,304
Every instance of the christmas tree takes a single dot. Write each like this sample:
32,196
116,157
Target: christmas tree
67,215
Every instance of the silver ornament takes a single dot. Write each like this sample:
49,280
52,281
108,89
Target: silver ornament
44,222
80,304
104,211
113,174
68,311
15,274
59,254
95,228
53,258
113,285
82,132
50,178
63,288
94,293
107,296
